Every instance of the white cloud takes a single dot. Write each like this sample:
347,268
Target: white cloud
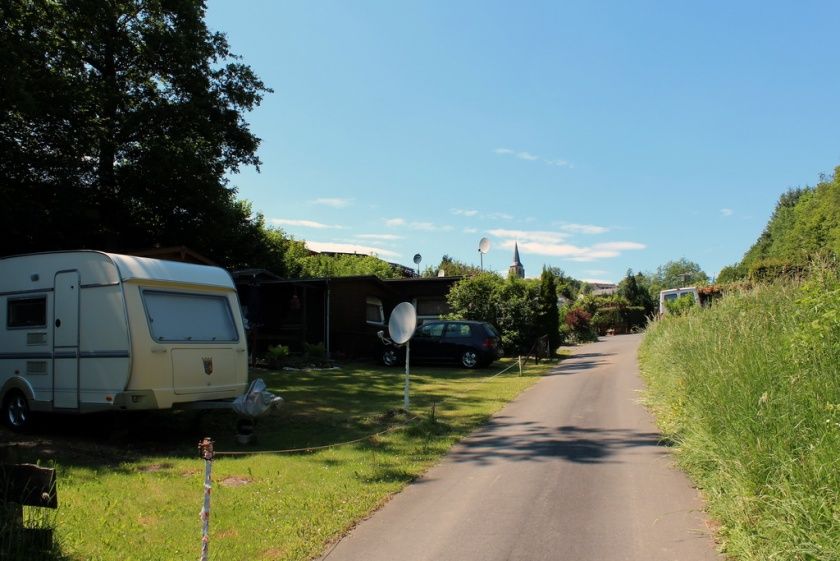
305,224
383,237
351,248
529,236
726,212
527,156
429,227
498,216
552,244
470,230
584,228
422,226
463,212
619,246
333,202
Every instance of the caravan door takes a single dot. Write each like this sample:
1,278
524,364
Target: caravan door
66,340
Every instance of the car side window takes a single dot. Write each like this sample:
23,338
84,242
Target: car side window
457,330
431,330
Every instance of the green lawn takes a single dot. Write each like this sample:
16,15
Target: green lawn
135,491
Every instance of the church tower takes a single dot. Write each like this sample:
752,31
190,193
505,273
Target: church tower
516,269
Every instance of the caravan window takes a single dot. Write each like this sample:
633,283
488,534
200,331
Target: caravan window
27,312
176,316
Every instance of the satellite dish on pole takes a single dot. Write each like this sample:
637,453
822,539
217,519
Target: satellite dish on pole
402,323
417,259
401,327
483,247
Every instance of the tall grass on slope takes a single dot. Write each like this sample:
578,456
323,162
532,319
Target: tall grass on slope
749,390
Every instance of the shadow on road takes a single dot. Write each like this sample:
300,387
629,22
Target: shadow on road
535,443
579,363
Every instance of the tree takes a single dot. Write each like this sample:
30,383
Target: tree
512,305
452,268
675,274
475,298
322,266
567,286
119,123
517,306
633,289
804,225
549,314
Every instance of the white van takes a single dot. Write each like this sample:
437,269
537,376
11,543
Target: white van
674,293
85,331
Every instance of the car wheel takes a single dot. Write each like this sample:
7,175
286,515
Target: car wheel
469,359
390,357
16,412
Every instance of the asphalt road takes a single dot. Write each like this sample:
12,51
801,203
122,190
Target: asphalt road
571,470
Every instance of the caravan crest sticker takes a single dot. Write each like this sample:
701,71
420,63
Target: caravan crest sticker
208,364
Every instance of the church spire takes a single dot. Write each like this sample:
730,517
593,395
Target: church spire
516,269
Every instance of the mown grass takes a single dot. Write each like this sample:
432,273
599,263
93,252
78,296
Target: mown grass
749,390
135,492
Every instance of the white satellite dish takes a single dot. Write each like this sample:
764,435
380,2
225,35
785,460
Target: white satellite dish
484,245
417,258
403,322
441,273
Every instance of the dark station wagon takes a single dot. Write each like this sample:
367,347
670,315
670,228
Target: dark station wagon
469,343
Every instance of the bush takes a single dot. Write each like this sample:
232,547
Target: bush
278,352
634,317
606,319
681,305
771,269
314,352
579,323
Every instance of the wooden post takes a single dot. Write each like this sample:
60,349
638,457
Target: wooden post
205,448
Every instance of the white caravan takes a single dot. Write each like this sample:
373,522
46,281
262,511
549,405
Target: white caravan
672,294
90,331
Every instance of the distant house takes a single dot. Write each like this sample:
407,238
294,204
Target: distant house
603,288
342,313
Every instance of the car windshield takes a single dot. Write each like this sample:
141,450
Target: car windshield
491,331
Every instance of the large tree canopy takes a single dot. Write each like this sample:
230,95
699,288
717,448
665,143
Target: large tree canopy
118,122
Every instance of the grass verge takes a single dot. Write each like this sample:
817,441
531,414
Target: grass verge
749,391
134,491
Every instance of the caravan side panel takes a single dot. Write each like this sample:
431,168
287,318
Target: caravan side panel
26,344
104,346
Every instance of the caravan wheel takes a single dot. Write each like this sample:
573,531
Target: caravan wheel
16,412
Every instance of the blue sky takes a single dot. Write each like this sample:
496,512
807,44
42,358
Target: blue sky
601,136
